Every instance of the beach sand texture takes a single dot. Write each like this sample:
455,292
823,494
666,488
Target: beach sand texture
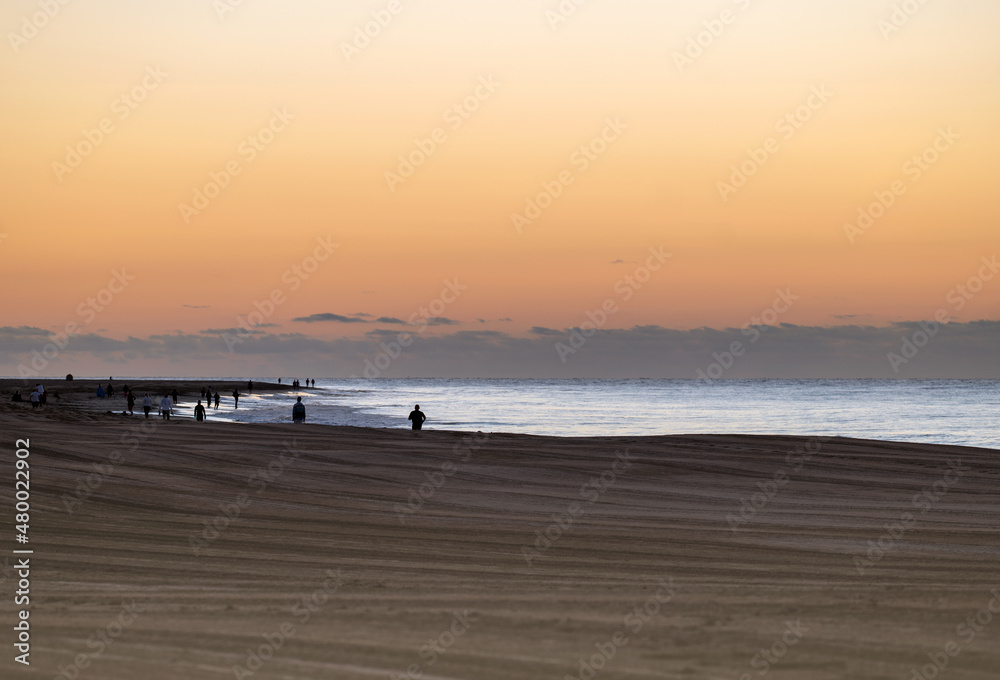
328,567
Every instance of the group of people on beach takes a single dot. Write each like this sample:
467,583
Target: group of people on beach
170,400
37,396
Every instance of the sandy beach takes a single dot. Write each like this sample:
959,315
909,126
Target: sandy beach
211,551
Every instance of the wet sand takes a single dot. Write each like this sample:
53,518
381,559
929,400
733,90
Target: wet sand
348,553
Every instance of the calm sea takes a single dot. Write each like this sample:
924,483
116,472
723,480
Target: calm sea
935,411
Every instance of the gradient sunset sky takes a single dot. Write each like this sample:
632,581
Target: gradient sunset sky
203,78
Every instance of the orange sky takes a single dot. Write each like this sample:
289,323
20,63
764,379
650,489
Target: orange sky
656,185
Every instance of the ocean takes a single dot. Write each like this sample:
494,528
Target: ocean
962,412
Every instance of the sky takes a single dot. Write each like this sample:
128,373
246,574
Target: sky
496,188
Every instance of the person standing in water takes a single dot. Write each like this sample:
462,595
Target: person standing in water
199,412
147,405
417,417
236,399
216,400
299,411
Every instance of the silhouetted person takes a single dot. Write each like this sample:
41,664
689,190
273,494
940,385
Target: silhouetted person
299,412
203,392
175,396
131,403
236,399
418,417
147,405
110,391
165,406
216,400
199,412
250,386
17,396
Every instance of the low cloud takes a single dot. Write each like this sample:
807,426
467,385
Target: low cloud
23,332
335,318
958,350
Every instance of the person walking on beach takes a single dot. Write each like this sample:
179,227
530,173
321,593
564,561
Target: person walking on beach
165,406
147,405
199,412
110,391
216,400
299,412
236,399
131,402
177,397
418,417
